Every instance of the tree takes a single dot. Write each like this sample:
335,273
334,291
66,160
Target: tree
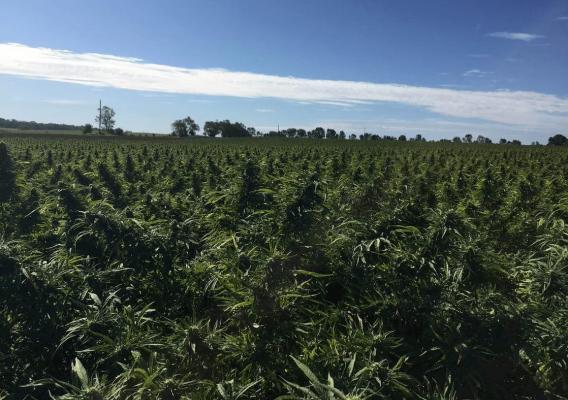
211,128
317,133
331,134
558,140
402,138
119,132
233,129
88,128
352,136
192,127
291,132
251,131
106,118
342,135
179,128
468,138
456,139
185,127
482,139
502,141
301,133
226,129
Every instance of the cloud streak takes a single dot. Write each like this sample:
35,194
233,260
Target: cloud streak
520,108
476,73
525,37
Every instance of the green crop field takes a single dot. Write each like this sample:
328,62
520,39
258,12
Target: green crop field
148,268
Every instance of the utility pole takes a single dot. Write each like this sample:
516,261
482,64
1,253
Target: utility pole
100,114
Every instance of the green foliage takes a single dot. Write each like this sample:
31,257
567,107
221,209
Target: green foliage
106,118
226,129
557,140
139,268
185,127
7,174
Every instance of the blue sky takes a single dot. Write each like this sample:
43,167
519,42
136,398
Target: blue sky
439,68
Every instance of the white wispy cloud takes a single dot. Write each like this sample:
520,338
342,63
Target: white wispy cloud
264,110
477,73
563,18
99,70
336,103
525,37
452,86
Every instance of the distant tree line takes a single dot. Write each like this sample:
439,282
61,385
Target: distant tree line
187,127
32,125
